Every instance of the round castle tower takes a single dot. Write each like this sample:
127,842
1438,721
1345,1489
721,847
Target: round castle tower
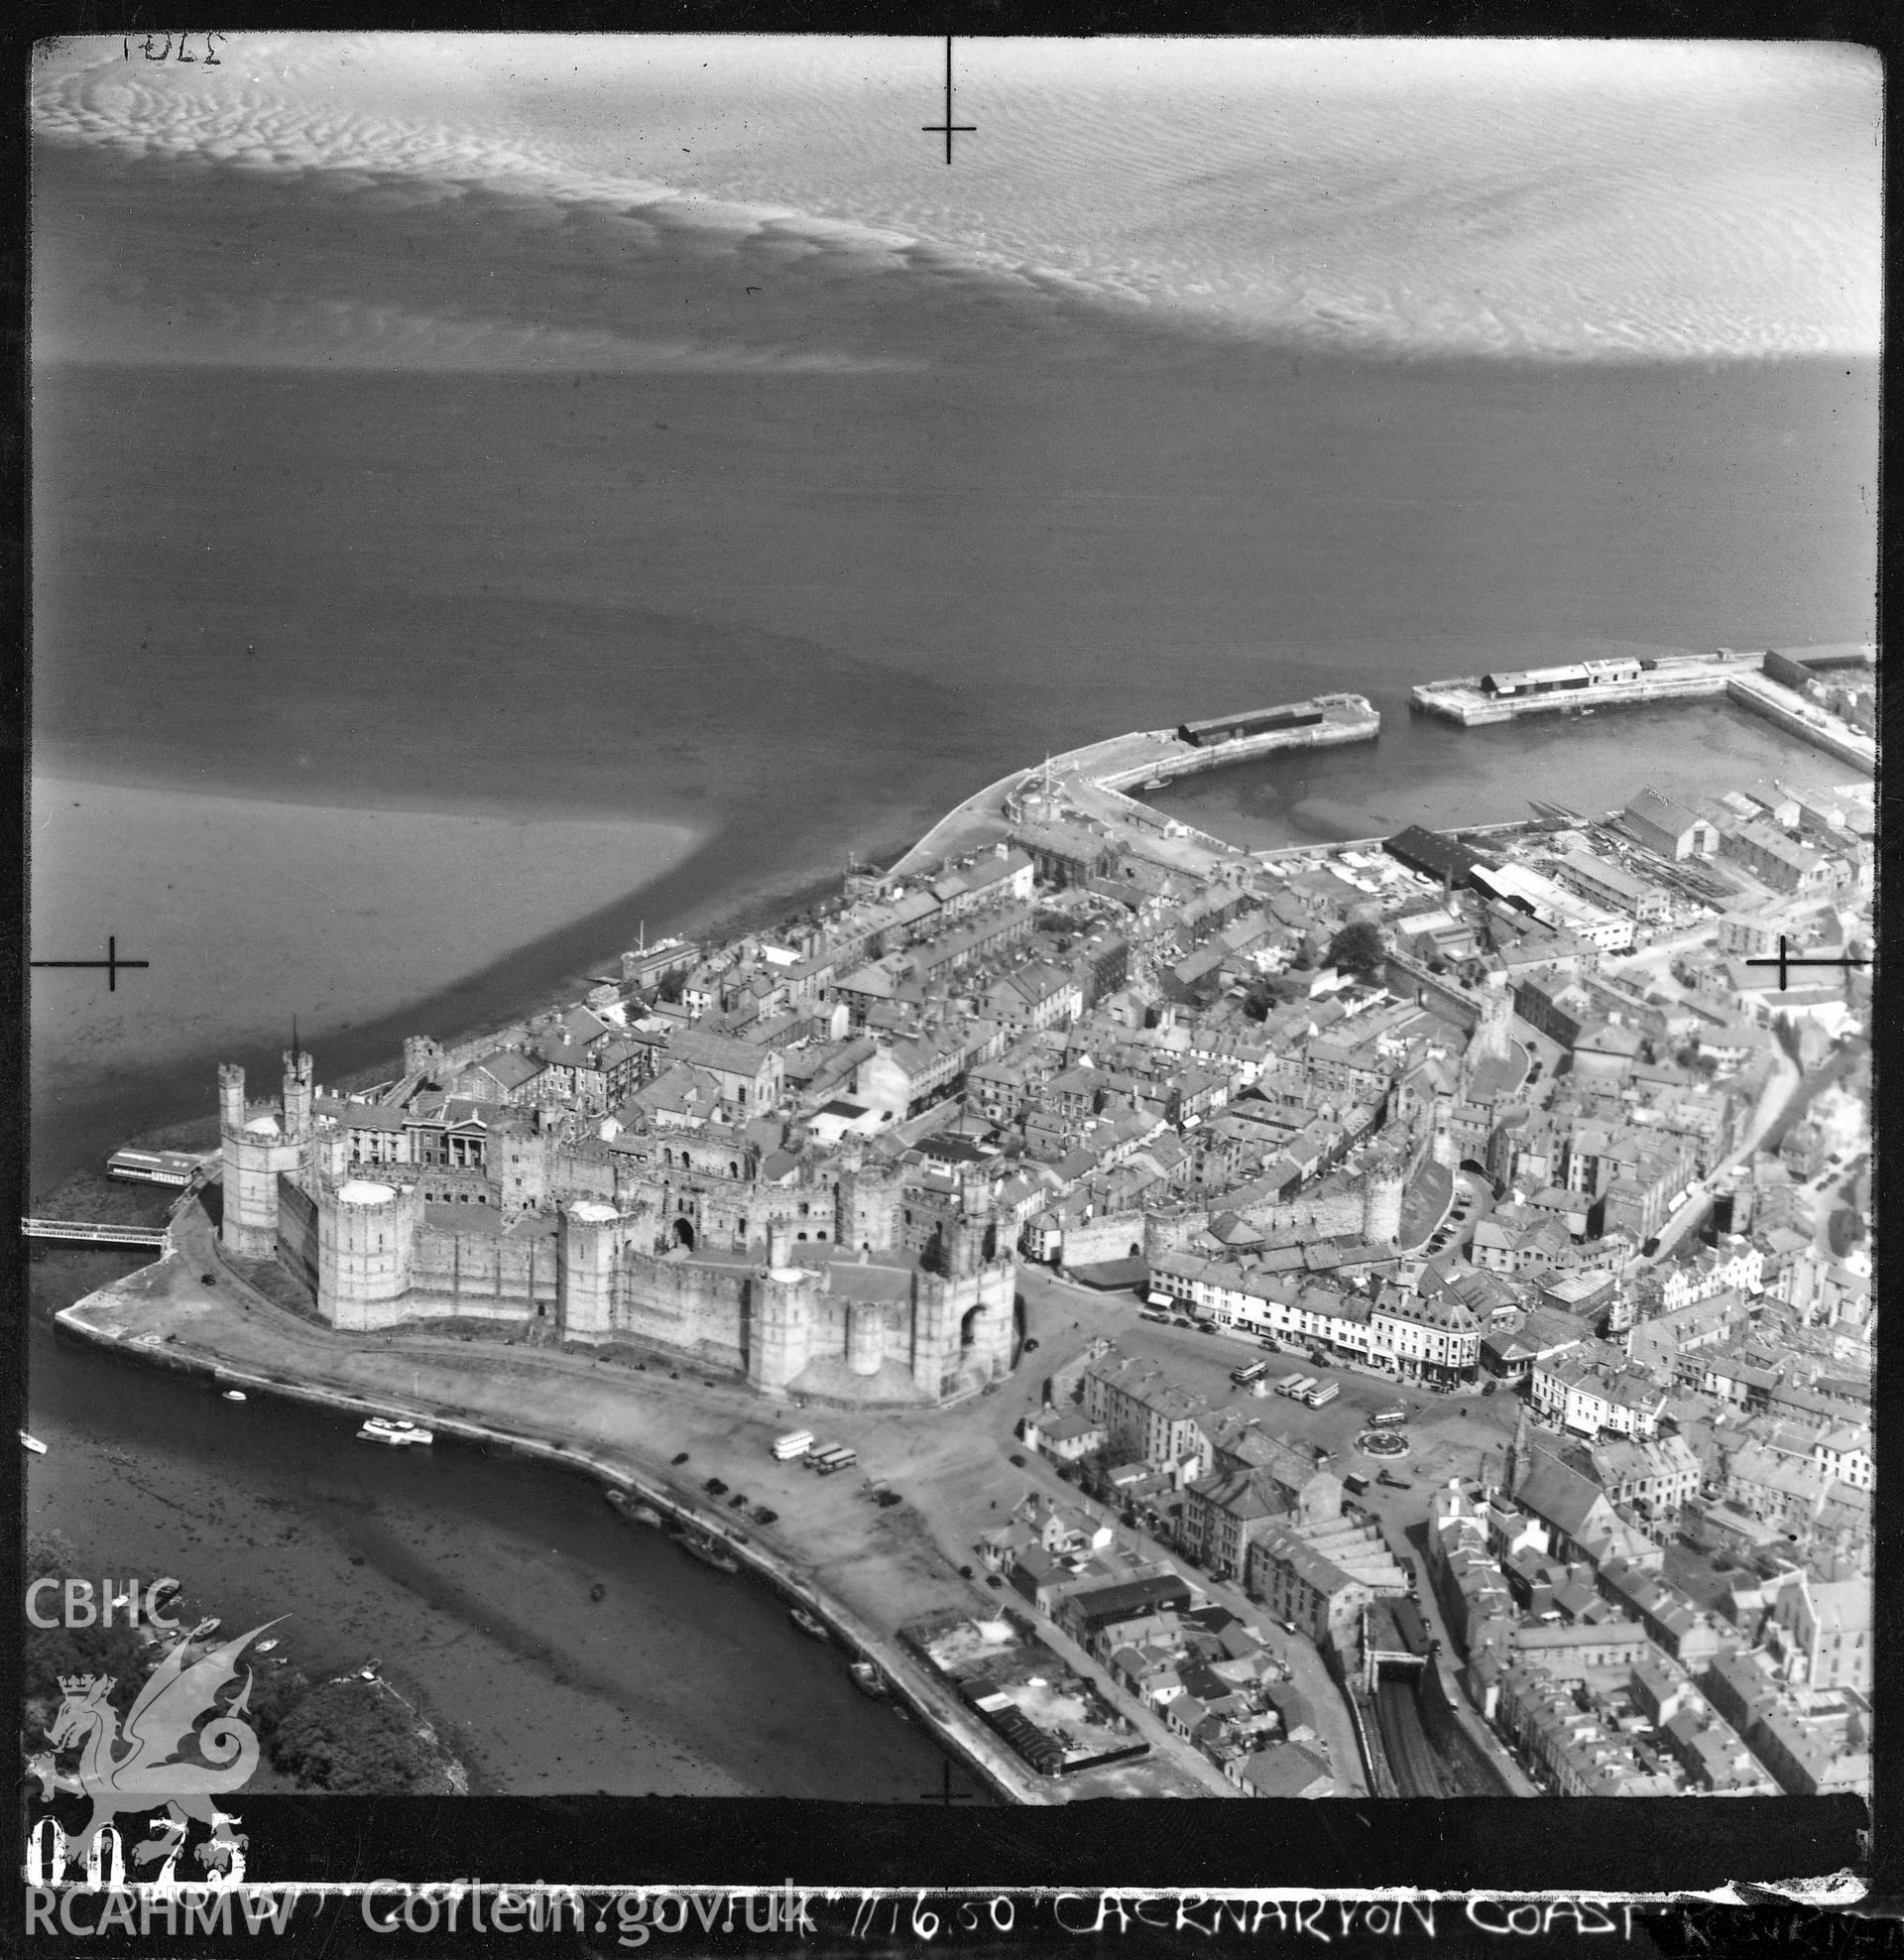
589,1238
257,1147
364,1230
783,1297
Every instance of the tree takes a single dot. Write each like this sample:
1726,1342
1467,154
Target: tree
1357,949
348,1737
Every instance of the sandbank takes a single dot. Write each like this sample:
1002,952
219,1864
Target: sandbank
250,911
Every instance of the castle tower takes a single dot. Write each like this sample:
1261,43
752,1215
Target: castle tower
868,1205
780,1242
299,1096
865,1336
365,1232
255,1151
588,1238
781,1321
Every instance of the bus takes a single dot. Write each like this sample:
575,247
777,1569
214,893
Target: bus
1389,1418
785,1448
1295,1386
834,1457
1318,1393
1243,1376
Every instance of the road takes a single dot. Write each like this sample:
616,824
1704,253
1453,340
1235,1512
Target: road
1782,1083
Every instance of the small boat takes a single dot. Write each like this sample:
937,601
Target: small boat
33,1443
384,1430
808,1625
635,1513
711,1551
235,1394
265,1647
868,1681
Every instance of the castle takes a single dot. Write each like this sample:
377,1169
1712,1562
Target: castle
748,1249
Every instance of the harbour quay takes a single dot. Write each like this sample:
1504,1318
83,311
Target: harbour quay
1793,692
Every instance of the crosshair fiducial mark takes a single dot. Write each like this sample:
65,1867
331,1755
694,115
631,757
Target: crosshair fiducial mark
949,128
1787,958
112,963
945,1794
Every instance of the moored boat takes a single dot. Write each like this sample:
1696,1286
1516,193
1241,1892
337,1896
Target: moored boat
711,1551
399,1435
868,1681
808,1625
235,1394
634,1512
33,1443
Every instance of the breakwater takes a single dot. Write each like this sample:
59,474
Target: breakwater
1094,780
1481,700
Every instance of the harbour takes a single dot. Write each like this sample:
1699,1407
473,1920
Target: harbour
1582,686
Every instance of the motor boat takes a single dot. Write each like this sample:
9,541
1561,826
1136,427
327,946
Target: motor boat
868,1681
33,1443
235,1394
399,1435
808,1625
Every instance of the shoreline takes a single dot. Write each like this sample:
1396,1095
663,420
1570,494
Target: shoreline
645,1480
1095,778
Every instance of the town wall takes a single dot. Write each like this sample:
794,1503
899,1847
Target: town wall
1113,1235
479,1272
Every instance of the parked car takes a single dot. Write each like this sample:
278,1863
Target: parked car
996,1583
1018,1462
680,1459
1488,1388
714,1487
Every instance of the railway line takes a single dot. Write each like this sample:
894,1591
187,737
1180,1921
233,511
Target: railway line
1411,1758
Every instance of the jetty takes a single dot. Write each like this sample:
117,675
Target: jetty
1097,779
1756,682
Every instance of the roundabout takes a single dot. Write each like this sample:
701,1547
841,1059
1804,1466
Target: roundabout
1382,1443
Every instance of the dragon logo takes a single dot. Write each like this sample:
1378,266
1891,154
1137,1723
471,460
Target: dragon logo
141,1768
